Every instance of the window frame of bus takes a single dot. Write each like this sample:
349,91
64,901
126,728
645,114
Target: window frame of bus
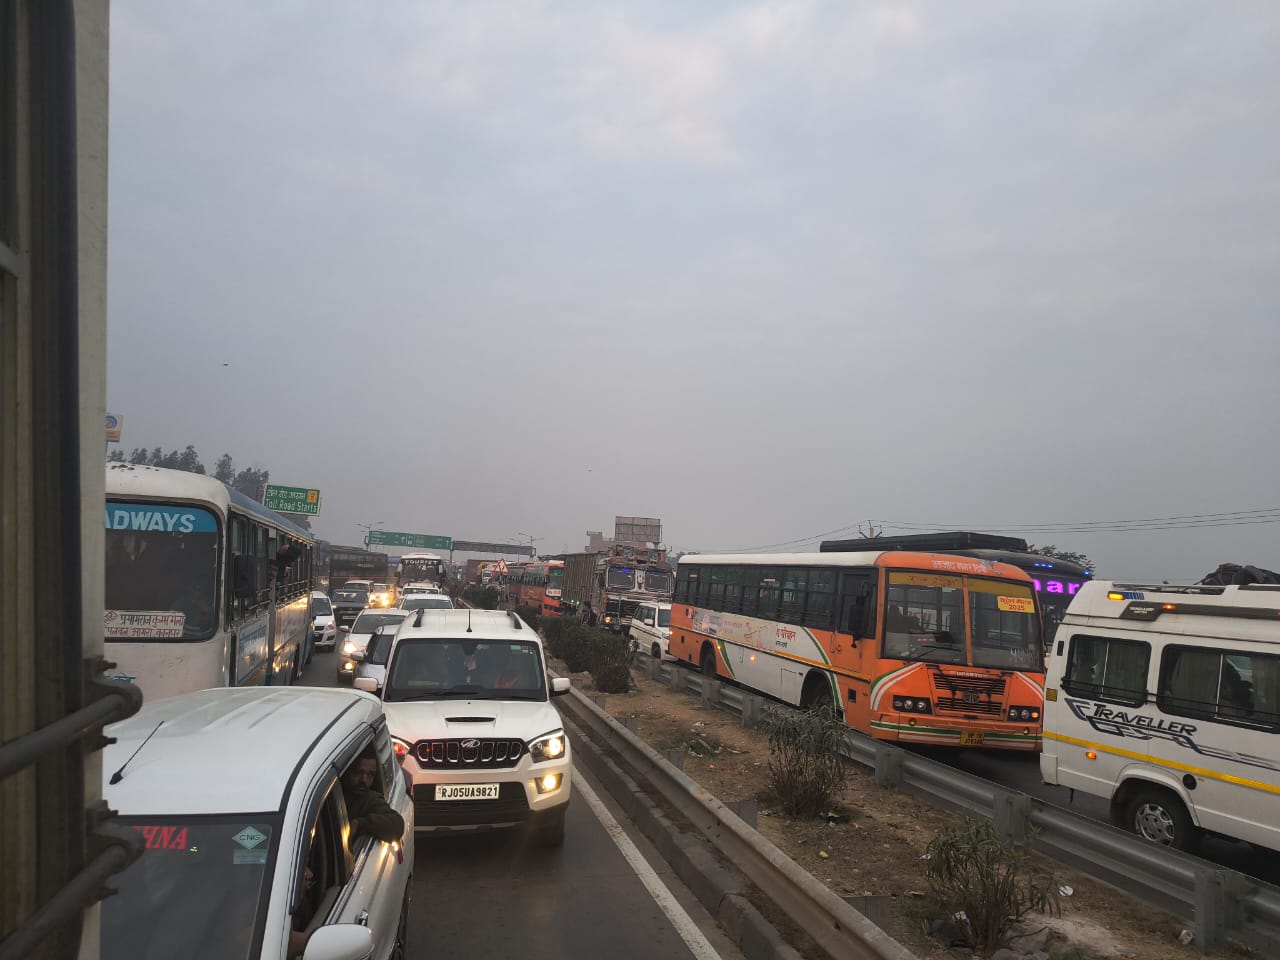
696,585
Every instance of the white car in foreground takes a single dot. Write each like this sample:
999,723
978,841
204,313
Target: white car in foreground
245,834
469,709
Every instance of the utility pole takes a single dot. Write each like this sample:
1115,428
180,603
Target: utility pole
532,539
368,528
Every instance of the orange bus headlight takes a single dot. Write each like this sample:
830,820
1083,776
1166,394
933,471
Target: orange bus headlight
912,705
1024,714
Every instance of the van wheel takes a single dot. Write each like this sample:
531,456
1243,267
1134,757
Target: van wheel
656,651
1159,816
708,661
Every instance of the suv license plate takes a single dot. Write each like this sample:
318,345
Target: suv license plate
466,791
971,738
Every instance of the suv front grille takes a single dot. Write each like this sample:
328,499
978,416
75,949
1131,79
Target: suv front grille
469,752
971,695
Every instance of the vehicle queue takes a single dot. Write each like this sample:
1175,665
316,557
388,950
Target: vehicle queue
1161,699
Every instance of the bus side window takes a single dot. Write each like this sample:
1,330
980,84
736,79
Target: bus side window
750,590
235,550
817,608
857,603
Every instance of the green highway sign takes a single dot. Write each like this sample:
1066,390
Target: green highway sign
291,499
422,541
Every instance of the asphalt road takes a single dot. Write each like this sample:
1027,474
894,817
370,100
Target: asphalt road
493,896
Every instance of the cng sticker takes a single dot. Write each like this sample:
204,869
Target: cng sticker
249,838
1016,604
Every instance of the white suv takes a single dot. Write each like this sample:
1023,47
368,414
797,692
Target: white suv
469,709
651,630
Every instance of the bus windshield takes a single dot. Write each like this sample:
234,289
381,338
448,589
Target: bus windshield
924,620
1006,632
161,572
924,617
555,578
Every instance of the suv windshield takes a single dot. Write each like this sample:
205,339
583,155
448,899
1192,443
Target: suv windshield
320,607
199,891
369,622
162,565
428,669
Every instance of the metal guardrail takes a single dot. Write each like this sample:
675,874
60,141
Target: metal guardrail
841,931
1216,902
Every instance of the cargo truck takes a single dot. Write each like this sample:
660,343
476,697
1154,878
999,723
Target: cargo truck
616,580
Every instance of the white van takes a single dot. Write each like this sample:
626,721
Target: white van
1166,701
651,630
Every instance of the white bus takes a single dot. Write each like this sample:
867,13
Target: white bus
204,586
1165,700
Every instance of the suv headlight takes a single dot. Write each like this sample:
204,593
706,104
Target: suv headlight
348,647
550,747
401,747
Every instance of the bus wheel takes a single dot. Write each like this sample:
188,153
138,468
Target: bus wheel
1157,815
817,693
708,661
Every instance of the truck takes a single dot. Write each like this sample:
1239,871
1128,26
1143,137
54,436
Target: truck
478,570
351,563
615,580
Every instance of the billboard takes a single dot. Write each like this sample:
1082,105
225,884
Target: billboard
637,529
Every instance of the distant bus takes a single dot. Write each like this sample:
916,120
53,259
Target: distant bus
195,595
913,647
1055,581
420,568
537,583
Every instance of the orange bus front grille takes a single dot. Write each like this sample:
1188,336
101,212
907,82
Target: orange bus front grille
971,695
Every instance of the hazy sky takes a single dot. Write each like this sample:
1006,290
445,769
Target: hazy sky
763,270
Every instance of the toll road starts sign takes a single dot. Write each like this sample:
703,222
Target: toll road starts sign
291,499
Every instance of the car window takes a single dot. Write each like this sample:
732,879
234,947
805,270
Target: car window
320,607
194,874
664,616
427,602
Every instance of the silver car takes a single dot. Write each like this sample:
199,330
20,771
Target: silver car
356,637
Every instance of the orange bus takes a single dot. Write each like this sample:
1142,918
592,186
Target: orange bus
538,583
914,647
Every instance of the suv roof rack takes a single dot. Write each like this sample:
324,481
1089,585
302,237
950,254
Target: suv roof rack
515,621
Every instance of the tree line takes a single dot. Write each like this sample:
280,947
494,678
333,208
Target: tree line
251,481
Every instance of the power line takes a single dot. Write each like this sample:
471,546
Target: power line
1231,518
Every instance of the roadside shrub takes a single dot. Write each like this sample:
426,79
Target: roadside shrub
610,655
575,647
992,880
482,598
806,770
529,614
552,631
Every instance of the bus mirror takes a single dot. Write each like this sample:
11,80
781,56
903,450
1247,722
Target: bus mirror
242,578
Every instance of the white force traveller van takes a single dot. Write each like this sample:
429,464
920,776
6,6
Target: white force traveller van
1166,701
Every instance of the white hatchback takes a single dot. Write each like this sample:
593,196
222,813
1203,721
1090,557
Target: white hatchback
469,709
246,836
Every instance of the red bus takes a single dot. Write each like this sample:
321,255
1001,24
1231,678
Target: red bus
538,583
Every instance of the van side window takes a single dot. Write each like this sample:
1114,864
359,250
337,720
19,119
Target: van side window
1229,686
1108,668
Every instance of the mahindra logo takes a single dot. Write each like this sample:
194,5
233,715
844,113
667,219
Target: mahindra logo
470,744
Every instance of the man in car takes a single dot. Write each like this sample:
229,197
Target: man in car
367,812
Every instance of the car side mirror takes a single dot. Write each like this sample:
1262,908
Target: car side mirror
344,629
367,684
560,686
340,941
243,579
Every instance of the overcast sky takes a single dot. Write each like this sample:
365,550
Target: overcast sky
763,270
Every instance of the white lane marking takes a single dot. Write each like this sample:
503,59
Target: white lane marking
694,939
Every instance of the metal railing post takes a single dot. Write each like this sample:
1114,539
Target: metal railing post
888,766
